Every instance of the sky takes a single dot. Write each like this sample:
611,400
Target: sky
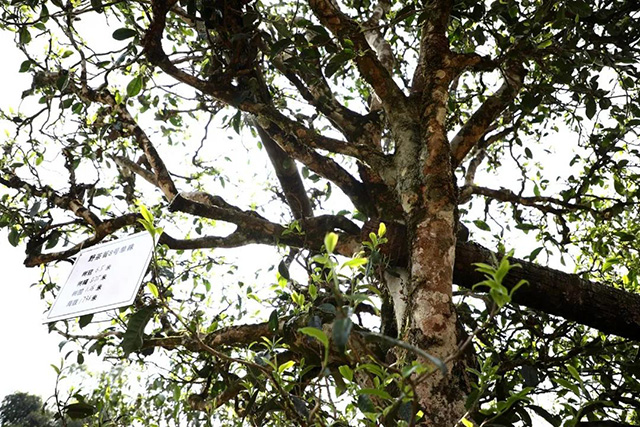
28,349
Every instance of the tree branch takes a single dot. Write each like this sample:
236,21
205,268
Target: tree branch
103,230
368,63
323,166
542,203
315,90
490,110
602,307
288,176
103,96
66,202
132,166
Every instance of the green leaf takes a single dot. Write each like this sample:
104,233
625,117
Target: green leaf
79,410
327,308
375,392
337,62
545,43
124,33
522,282
134,87
85,320
355,262
25,66
365,404
63,81
283,270
590,107
619,186
273,321
482,225
528,153
279,46
14,237
566,384
330,242
77,108
25,35
374,369
134,336
534,253
148,216
97,5
153,289
466,423
317,334
313,291
382,229
574,372
346,372
341,386
298,298
285,366
341,331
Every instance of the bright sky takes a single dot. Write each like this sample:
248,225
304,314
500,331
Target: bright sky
28,350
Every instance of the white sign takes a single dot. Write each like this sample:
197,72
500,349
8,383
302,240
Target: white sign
104,277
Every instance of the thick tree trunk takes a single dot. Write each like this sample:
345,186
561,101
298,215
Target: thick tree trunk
431,318
426,186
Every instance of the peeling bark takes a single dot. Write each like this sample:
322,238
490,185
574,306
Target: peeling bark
396,286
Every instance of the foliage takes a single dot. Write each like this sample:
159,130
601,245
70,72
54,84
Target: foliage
26,410
352,138
22,409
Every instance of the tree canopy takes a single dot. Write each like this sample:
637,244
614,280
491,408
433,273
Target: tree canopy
22,409
417,169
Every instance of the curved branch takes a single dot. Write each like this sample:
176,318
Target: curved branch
479,123
66,202
103,96
369,65
214,207
311,237
103,230
288,176
323,166
542,203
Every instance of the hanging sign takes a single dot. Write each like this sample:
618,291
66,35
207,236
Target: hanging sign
104,277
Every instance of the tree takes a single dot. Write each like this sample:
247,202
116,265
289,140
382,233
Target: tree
407,114
19,409
27,410
24,410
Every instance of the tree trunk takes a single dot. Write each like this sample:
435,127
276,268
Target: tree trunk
426,186
431,318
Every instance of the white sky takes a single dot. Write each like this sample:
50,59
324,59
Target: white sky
27,349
